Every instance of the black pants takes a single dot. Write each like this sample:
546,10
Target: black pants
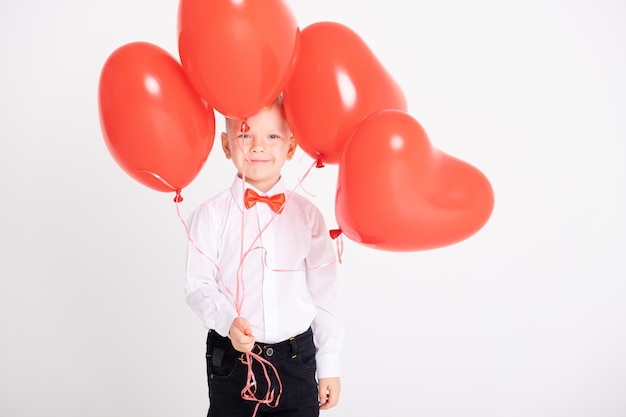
294,360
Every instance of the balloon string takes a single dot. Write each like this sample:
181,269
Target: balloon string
249,390
271,398
339,248
299,184
197,248
266,263
178,198
252,247
244,254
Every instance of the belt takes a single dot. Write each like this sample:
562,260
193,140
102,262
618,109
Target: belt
290,347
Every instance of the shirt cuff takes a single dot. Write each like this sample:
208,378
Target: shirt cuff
328,365
222,326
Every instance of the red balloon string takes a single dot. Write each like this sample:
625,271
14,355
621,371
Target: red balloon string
271,397
288,197
178,197
193,243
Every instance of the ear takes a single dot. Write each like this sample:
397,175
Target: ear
225,145
293,145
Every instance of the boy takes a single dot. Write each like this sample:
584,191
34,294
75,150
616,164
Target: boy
263,280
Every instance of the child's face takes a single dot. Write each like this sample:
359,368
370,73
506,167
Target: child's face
260,153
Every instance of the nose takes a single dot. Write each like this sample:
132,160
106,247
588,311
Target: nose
257,145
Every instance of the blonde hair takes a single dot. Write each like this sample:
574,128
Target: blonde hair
276,103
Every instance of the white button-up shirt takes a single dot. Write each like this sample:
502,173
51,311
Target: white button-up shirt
284,273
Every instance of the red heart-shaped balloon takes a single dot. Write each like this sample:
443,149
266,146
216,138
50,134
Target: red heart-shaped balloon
156,126
397,192
337,82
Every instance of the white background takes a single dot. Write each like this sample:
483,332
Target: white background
525,318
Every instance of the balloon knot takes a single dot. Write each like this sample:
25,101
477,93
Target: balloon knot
319,163
334,233
178,198
244,126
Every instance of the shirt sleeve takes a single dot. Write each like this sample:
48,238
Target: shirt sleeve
328,327
202,283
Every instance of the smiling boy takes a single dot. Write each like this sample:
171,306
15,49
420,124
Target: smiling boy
264,279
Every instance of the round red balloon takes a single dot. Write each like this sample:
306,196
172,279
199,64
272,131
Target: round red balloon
337,82
155,125
397,192
238,54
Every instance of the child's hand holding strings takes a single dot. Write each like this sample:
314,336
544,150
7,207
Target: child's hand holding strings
241,335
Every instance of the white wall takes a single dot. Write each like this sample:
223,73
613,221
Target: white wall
525,318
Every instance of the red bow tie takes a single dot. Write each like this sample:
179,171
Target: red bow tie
276,202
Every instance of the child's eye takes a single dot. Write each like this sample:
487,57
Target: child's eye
274,137
243,136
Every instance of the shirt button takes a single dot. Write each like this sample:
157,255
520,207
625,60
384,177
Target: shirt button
269,351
